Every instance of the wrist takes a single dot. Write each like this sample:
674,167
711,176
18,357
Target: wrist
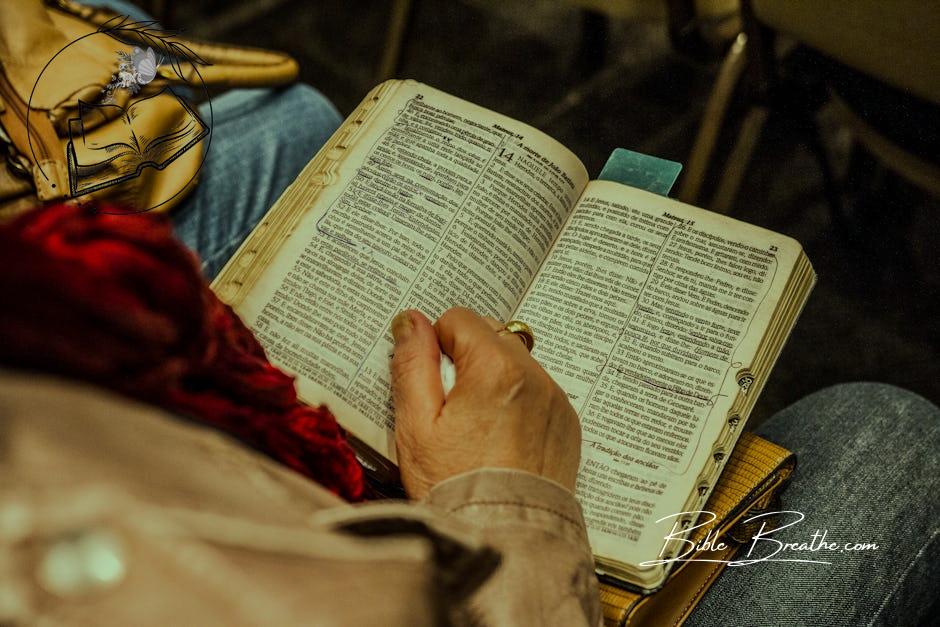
506,496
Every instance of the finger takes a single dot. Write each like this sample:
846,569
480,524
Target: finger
415,368
461,331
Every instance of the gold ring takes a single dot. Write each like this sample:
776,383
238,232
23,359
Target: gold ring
521,330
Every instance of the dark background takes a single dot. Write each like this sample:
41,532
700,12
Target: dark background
873,315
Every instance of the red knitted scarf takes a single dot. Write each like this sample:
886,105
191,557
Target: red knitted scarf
116,300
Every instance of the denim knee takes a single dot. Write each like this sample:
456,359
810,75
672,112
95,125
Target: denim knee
888,399
852,413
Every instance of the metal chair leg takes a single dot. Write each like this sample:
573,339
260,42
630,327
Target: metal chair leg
728,78
918,171
739,159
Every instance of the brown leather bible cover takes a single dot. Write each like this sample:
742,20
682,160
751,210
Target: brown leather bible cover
751,481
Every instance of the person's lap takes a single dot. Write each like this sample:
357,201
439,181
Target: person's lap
867,471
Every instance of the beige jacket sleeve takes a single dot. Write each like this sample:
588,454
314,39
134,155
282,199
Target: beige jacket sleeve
114,513
546,575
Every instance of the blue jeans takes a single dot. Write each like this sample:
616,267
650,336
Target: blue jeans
869,454
868,470
261,139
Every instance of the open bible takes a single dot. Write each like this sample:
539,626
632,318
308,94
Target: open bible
660,321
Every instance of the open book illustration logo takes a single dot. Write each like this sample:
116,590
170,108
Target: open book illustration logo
120,151
107,146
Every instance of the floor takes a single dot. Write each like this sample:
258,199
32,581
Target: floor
874,314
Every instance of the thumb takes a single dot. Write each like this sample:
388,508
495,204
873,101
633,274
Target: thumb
416,369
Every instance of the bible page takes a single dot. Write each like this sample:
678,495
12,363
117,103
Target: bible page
437,203
644,312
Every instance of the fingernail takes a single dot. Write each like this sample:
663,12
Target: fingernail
402,324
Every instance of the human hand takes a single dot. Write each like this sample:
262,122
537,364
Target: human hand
504,411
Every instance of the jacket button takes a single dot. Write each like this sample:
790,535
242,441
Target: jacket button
86,562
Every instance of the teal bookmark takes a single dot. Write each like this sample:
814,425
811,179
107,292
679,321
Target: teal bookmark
642,171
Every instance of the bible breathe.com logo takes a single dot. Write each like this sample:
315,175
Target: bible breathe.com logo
133,140
762,546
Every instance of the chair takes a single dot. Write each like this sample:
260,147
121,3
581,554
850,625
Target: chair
891,45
